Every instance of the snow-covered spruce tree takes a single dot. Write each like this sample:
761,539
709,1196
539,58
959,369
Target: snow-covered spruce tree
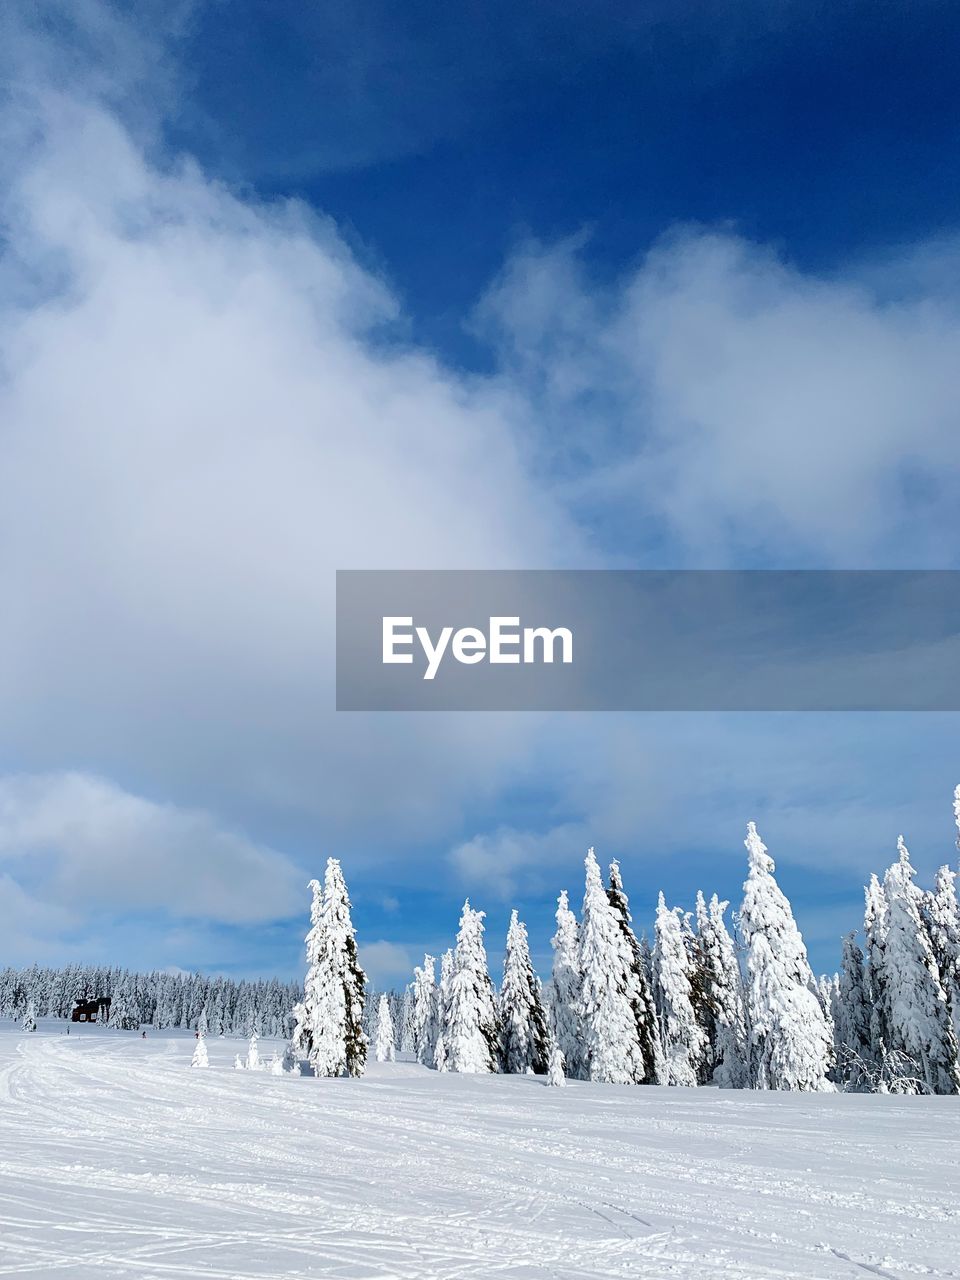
444,990
699,1000
681,1033
29,1022
917,1011
790,1044
943,925
301,1041
525,1039
424,1021
200,1058
471,1032
330,1019
610,1049
406,1021
253,1053
440,1055
646,956
123,1014
724,989
875,934
555,1072
852,1016
384,1040
644,1005
825,994
565,987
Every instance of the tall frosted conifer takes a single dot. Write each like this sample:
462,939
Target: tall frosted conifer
680,1030
724,991
917,1011
383,1044
330,1017
852,1014
526,1044
699,999
791,1046
875,934
611,1051
444,992
406,1022
302,1040
471,1032
943,926
424,1018
644,1005
565,987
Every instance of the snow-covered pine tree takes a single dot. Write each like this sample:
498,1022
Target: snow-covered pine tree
253,1053
304,1011
123,1015
525,1038
917,1011
699,1000
29,1022
610,1051
384,1041
852,1015
565,987
646,955
424,1024
440,1055
555,1072
406,1022
330,1021
943,925
681,1033
825,992
200,1058
644,1005
471,1033
790,1044
875,935
444,989
724,988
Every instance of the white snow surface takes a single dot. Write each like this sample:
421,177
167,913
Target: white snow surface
117,1159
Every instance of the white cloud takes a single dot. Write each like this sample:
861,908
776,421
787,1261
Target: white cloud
32,928
203,418
739,407
90,846
509,861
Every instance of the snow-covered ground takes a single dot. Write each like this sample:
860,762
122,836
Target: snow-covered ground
117,1159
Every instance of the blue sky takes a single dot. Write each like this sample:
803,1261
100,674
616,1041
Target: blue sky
439,137
294,288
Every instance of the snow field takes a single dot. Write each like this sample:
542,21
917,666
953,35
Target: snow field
117,1159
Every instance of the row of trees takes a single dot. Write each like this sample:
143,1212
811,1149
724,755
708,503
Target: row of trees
740,1010
155,999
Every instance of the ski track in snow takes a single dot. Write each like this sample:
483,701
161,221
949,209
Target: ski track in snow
117,1159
